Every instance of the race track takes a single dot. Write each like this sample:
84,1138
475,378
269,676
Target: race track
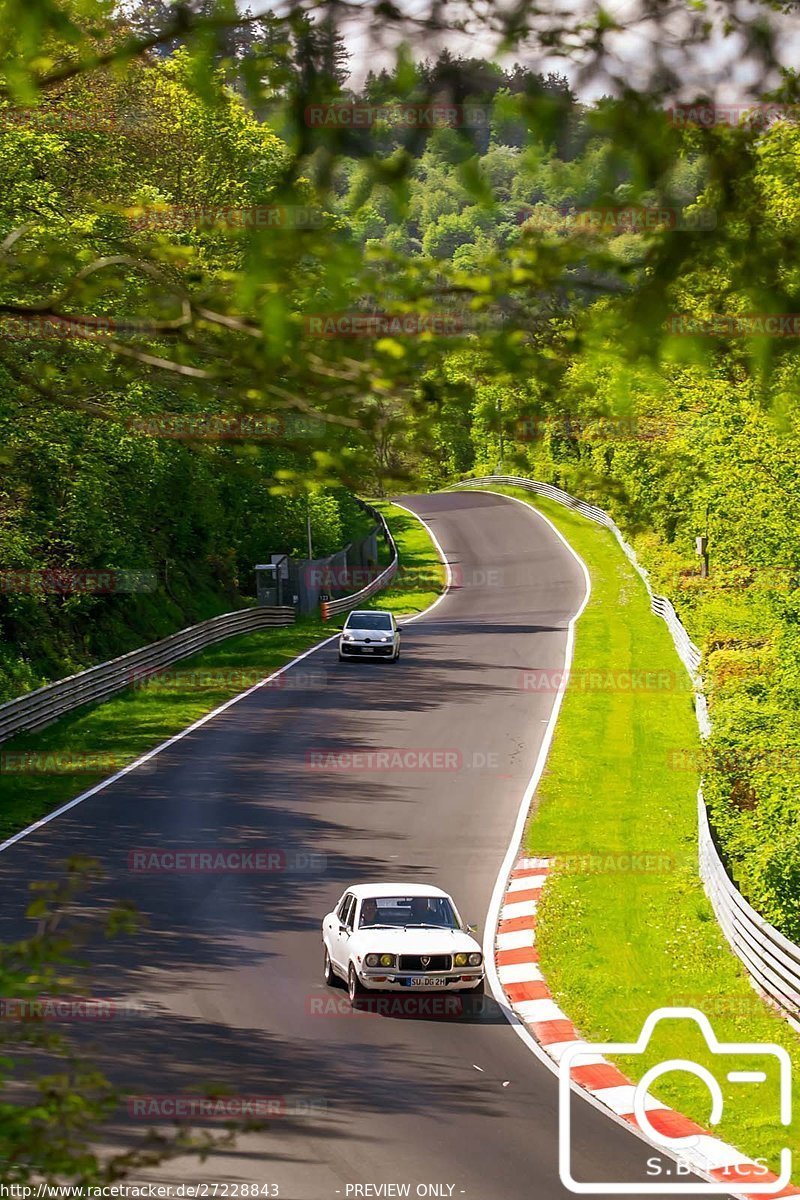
230,963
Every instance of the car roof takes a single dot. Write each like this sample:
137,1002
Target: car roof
395,889
370,612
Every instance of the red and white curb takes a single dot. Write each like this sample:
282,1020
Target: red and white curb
530,998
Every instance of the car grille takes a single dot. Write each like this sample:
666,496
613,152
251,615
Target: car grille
433,962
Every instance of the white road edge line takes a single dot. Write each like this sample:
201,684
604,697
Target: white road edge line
448,572
507,865
177,737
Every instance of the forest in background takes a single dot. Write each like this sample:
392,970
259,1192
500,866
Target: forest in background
181,491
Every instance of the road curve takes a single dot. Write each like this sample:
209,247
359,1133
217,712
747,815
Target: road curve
230,963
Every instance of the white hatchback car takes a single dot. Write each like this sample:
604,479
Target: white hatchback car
372,633
397,937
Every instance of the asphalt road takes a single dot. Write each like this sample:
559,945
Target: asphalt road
229,964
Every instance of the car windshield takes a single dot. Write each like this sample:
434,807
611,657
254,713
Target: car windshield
403,911
369,620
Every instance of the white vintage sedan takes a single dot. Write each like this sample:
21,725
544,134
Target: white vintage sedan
397,937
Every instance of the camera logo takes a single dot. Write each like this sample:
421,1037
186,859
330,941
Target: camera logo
686,1155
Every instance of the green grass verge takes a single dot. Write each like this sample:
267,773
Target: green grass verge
615,943
421,577
37,770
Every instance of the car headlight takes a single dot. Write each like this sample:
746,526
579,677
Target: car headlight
460,960
348,637
380,960
475,960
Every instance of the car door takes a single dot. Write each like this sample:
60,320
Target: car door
342,931
330,925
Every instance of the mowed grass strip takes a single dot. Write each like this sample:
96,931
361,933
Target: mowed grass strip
40,771
421,574
625,926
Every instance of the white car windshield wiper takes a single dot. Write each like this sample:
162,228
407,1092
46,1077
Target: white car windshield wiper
425,925
377,925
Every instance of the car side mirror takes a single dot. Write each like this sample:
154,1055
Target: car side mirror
472,929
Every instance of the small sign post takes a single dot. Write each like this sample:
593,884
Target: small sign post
701,546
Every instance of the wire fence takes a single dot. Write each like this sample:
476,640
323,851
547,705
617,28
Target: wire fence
771,960
343,604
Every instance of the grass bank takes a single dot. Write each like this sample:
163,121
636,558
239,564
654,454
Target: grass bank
43,770
421,575
625,926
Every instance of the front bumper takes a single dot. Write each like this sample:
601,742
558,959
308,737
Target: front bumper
373,650
397,981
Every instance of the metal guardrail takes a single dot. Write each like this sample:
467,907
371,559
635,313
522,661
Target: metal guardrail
771,960
37,709
332,608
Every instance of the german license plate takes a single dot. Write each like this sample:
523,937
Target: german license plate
427,981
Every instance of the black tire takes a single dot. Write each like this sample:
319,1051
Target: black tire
396,657
328,971
354,989
341,657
